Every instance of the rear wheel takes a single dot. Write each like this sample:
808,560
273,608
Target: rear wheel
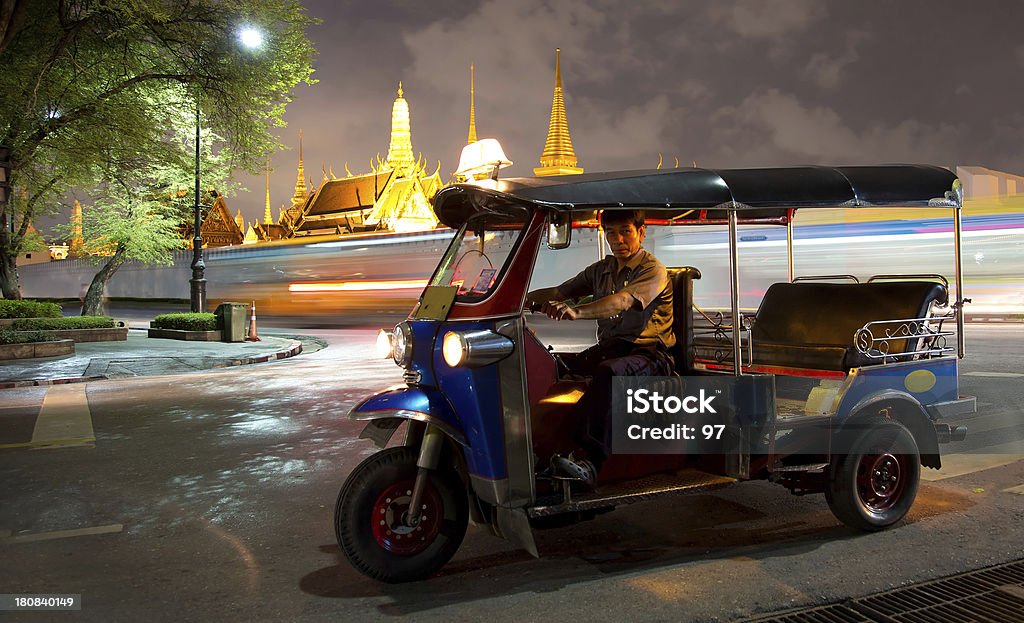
874,485
369,518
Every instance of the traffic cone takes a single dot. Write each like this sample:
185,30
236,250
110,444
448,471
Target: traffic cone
253,336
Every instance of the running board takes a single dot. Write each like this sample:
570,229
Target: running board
637,490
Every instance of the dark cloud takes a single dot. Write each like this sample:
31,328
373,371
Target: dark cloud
726,83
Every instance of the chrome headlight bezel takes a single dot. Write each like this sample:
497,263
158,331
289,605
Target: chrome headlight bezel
401,344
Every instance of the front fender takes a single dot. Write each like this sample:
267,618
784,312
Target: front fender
412,403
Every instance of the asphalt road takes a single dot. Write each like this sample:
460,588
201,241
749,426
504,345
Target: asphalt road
209,496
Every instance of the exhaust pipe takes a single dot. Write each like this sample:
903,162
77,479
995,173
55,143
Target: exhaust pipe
946,433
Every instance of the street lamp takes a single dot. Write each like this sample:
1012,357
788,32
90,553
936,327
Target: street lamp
250,38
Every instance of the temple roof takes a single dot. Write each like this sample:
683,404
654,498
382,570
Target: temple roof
333,204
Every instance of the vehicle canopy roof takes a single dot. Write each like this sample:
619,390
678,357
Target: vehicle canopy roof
695,196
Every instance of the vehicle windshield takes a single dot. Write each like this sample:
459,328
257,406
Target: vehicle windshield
480,251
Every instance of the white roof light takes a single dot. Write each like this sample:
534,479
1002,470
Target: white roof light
481,161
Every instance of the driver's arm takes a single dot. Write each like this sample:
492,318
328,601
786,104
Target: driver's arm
544,295
605,307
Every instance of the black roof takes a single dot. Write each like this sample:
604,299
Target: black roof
707,195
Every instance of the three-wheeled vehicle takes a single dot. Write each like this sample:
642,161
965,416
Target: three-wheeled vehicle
858,375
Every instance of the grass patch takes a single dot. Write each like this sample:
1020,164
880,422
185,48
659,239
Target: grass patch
185,322
57,324
28,309
8,336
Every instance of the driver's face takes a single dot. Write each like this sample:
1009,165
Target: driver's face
624,239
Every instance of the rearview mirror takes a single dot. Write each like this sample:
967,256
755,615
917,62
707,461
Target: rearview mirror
559,230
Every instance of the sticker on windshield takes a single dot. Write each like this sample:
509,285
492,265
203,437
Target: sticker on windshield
484,281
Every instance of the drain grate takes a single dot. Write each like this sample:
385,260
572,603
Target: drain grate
990,595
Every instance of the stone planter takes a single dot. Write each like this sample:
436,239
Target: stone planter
192,336
37,349
92,335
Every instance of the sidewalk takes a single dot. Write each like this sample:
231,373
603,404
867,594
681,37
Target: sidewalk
142,356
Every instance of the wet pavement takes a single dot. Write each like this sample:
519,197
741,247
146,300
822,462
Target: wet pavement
144,356
210,496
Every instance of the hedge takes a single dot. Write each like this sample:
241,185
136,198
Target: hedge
57,324
28,309
185,322
24,337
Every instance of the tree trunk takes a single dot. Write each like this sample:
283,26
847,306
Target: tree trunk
9,275
94,298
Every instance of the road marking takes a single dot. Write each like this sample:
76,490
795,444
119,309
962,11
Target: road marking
64,418
954,465
61,534
996,375
1019,490
78,441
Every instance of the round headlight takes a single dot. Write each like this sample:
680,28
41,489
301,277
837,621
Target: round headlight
401,344
383,345
453,348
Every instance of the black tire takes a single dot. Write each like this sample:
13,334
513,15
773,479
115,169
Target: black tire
874,485
370,505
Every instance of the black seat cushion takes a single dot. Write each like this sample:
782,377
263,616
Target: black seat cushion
682,316
812,325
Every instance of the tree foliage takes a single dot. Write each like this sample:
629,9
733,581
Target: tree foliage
95,92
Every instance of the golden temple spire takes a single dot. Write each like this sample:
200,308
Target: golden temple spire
75,248
400,151
267,218
300,182
472,108
558,157
240,220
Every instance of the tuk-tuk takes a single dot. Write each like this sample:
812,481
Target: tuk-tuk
847,380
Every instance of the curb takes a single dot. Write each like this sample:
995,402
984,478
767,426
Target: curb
64,381
294,348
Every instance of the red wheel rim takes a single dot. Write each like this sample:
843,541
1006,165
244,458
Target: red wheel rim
388,519
881,481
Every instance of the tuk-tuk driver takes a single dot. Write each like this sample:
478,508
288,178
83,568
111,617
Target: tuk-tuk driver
632,303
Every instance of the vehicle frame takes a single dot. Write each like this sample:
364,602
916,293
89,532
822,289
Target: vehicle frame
865,420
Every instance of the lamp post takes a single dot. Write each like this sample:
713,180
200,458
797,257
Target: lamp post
250,38
198,281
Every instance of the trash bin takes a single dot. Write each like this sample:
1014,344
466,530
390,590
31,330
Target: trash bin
232,319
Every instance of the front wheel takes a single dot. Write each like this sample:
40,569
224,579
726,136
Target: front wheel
372,505
874,485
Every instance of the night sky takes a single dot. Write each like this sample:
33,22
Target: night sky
723,83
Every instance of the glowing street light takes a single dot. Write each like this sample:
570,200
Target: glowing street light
250,37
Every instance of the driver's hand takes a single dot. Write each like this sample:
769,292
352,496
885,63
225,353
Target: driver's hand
559,310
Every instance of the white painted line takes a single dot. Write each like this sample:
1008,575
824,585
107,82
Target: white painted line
61,534
997,375
954,465
64,416
1019,490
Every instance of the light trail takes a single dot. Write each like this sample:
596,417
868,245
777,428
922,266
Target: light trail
358,286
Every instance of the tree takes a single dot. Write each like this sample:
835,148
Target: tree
87,85
137,211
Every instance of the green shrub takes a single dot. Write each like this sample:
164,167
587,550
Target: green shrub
185,322
24,337
56,324
28,309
